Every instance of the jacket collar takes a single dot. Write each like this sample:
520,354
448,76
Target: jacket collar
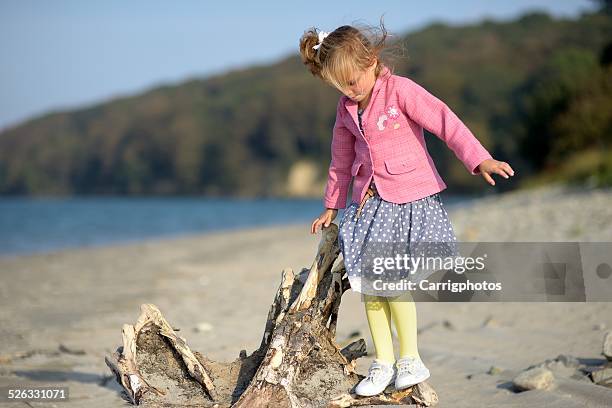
352,105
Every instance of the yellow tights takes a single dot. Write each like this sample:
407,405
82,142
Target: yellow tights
402,309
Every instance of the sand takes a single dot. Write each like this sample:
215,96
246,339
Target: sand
61,312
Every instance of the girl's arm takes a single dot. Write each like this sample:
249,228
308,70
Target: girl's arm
342,157
434,115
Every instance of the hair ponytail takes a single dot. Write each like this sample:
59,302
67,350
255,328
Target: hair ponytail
310,56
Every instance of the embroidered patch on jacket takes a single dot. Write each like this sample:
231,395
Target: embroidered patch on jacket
392,112
382,122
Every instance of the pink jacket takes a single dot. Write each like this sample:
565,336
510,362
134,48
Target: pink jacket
392,149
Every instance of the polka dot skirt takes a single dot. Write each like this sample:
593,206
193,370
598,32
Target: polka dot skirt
386,232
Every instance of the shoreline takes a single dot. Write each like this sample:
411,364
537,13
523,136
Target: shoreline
452,206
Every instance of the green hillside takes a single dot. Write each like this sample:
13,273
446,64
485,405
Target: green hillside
536,91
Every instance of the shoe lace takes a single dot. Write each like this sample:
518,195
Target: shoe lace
375,372
407,366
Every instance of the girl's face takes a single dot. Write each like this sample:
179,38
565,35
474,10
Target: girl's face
361,84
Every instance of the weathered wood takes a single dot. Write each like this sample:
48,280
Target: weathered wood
298,363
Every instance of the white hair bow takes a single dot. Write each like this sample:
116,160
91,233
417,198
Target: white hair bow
322,35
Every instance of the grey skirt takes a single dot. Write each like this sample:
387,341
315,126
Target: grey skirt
381,243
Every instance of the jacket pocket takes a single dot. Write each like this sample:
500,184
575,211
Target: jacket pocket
399,165
355,168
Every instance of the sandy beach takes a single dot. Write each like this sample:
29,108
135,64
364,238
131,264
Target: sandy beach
61,312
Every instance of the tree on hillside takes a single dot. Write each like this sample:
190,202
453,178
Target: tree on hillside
605,6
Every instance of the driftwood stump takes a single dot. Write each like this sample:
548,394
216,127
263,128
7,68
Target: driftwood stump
298,363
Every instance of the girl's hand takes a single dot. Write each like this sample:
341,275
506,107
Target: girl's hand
490,166
326,217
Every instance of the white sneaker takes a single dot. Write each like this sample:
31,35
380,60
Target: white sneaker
380,375
410,371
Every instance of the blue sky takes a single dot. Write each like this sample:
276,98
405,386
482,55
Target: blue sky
66,54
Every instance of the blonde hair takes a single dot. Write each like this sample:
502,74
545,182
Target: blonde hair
345,51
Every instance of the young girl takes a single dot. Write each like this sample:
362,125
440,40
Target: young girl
378,139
